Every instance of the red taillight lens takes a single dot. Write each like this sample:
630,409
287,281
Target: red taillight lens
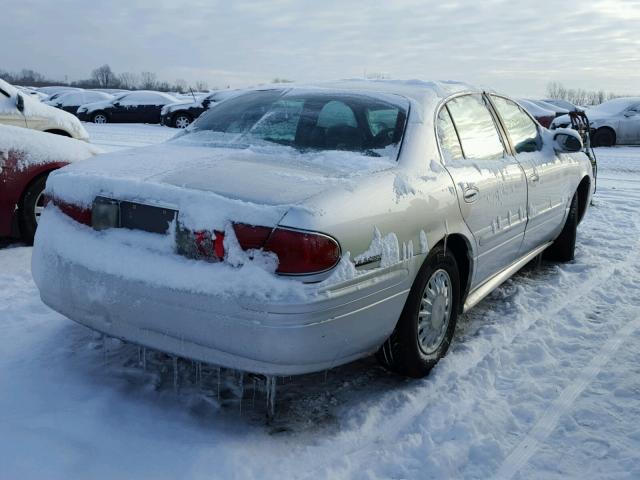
79,214
298,252
251,236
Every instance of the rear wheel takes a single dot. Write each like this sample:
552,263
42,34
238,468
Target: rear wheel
604,137
427,323
100,118
181,120
30,208
564,247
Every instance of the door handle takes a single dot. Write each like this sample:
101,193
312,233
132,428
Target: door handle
534,177
470,194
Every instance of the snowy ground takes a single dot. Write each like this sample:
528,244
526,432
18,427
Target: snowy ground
543,381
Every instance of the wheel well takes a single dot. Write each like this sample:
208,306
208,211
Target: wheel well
583,196
613,132
56,131
99,112
459,246
15,225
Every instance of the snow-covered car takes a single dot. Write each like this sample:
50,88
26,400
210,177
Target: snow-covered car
182,113
26,159
52,90
21,110
71,101
142,106
564,104
543,115
291,230
616,122
556,109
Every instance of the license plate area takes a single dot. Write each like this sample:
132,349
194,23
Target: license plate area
109,213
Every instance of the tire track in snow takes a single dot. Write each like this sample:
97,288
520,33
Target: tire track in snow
422,396
548,421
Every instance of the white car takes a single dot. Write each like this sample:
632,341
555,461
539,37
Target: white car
293,229
616,122
21,110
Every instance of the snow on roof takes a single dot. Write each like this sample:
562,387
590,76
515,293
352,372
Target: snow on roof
41,147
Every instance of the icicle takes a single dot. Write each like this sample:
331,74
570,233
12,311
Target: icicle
253,399
218,383
175,374
144,358
271,396
326,374
139,355
241,390
199,374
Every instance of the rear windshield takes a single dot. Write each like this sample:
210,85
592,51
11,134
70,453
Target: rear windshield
307,121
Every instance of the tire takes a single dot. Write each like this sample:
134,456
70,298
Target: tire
604,137
564,247
29,208
181,120
99,118
414,347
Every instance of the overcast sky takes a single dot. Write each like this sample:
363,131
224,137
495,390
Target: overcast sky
513,46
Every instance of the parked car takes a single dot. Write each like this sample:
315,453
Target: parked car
21,110
52,90
26,159
564,104
557,110
544,116
71,101
132,107
616,122
182,113
292,230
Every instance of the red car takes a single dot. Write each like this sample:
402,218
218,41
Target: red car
26,159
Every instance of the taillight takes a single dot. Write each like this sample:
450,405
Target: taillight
79,214
298,252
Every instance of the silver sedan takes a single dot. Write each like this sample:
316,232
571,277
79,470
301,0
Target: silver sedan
291,230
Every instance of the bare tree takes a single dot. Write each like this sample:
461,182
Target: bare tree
129,80
281,80
104,77
201,86
148,81
180,85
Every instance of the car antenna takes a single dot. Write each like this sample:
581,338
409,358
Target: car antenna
192,94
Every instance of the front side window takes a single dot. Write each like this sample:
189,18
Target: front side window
476,129
522,130
307,121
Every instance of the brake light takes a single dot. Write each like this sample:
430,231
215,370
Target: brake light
298,252
77,213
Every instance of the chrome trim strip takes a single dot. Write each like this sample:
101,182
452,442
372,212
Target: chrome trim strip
494,282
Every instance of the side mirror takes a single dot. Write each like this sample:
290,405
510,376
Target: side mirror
567,141
20,102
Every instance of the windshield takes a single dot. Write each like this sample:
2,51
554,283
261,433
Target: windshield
307,121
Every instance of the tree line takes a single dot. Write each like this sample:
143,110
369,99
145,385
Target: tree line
579,96
105,77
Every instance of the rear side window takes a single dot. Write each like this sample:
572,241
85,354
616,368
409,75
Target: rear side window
476,129
448,137
522,130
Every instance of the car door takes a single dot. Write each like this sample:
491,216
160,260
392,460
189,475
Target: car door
629,129
549,175
129,109
490,184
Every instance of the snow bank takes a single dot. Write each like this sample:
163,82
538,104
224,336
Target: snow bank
37,148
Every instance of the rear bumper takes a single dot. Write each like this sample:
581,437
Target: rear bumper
330,329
